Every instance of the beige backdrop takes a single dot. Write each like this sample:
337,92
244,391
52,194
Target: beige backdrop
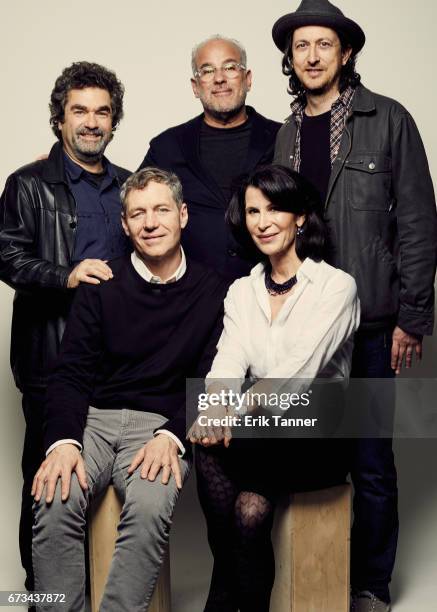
148,44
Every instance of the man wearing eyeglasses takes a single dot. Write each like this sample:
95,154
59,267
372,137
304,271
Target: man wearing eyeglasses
210,151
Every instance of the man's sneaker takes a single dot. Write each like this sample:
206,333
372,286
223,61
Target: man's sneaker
365,601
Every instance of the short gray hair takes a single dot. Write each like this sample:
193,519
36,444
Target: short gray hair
140,179
232,41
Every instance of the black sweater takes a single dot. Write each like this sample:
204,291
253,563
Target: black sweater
131,344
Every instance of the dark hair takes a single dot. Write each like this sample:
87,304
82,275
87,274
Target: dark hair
78,76
348,76
288,191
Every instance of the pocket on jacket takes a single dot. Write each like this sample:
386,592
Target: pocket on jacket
375,272
368,181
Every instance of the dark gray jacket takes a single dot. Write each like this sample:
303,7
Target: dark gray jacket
37,231
381,212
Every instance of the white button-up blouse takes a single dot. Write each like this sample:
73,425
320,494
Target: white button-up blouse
311,336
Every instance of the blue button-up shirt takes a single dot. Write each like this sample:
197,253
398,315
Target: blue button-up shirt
99,233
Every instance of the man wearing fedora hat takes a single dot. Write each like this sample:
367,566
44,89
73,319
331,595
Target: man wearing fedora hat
364,154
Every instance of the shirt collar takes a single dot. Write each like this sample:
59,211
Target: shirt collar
308,269
298,105
345,98
147,275
75,171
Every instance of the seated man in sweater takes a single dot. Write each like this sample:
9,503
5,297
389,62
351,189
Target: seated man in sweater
116,400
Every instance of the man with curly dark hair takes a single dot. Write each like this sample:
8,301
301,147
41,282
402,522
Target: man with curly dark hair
364,154
79,76
59,225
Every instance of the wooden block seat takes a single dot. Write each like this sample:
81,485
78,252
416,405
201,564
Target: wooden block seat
311,538
102,529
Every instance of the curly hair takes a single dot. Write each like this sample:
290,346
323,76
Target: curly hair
78,76
348,76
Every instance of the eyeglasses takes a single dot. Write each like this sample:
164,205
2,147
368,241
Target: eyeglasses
230,70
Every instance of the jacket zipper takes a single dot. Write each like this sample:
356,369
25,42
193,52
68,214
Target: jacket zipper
73,220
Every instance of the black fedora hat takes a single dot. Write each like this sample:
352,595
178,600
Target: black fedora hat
320,13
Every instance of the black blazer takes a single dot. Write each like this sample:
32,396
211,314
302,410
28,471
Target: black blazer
206,237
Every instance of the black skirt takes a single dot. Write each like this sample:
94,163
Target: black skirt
273,467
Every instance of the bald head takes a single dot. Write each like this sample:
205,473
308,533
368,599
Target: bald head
242,56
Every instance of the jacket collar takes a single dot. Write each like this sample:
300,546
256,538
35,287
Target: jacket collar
54,167
53,170
190,139
363,100
259,136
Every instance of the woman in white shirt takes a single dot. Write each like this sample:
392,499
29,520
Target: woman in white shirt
293,319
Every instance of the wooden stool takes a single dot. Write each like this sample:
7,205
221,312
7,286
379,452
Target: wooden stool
311,538
102,530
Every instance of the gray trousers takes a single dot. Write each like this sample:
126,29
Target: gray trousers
111,439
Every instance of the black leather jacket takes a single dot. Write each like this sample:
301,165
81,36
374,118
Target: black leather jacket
37,232
381,212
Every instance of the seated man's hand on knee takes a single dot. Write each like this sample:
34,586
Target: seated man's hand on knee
60,463
159,453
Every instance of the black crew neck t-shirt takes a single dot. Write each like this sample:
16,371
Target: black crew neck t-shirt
95,178
223,152
315,154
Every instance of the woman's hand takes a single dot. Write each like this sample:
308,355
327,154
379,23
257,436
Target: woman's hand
213,426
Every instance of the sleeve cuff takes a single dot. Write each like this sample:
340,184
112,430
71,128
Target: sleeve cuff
174,438
65,441
419,324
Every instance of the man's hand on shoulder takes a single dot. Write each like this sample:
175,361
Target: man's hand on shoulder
89,271
404,345
60,463
158,454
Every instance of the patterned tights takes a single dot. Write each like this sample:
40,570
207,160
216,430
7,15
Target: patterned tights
239,525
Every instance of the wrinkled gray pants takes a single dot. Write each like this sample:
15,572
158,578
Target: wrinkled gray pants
111,439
